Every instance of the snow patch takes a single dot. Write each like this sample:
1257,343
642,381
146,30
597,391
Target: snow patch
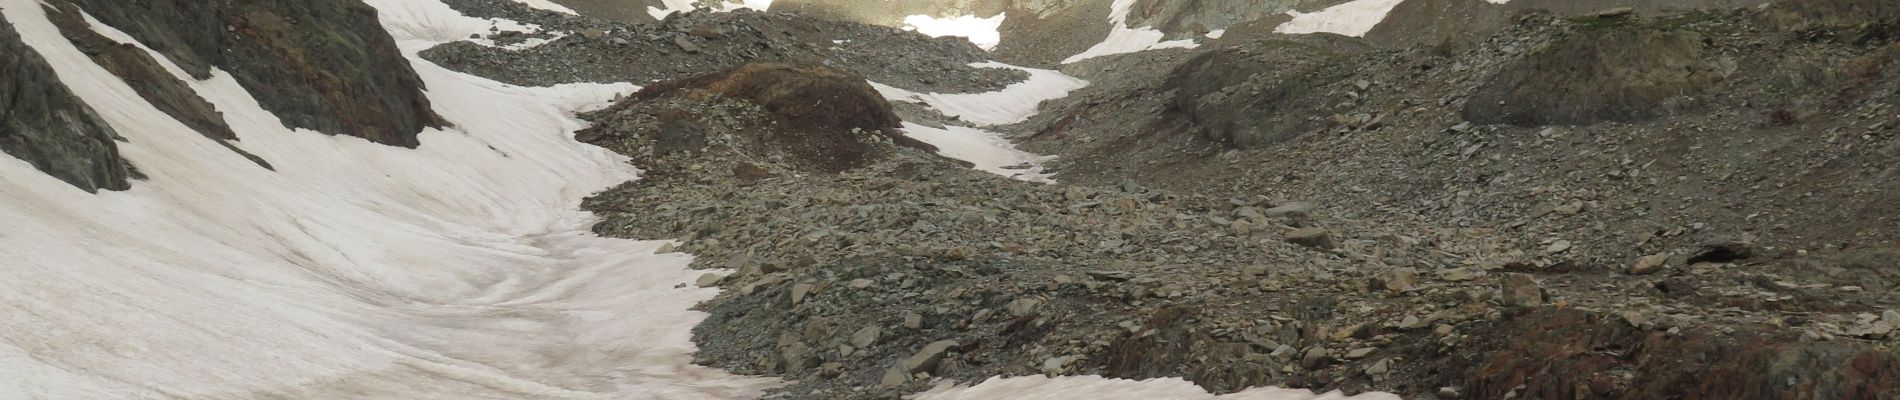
462,269
988,151
672,6
1098,388
984,32
1217,34
1015,103
1351,19
547,5
1122,39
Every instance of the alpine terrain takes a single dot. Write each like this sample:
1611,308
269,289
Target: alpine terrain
950,199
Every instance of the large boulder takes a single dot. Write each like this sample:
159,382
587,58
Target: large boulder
813,116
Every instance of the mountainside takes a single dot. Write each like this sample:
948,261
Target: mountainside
970,199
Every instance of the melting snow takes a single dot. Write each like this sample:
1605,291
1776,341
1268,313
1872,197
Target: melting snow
1122,39
672,6
988,150
1015,103
546,5
980,31
1351,19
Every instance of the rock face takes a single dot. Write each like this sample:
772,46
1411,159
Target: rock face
1255,96
1597,75
44,124
144,74
349,80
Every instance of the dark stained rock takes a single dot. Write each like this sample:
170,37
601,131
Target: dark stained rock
824,115
144,74
324,65
45,124
1557,353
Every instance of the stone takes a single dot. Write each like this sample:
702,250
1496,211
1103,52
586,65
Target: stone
1521,290
1396,279
1291,210
1315,358
866,337
709,280
1359,353
1558,247
1311,237
1461,274
1056,365
913,321
1379,368
1647,264
830,370
894,377
1023,306
799,291
926,359
796,357
1283,352
685,44
1411,322
667,248
862,283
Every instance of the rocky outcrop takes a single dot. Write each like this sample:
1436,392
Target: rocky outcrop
153,83
1614,73
811,116
45,124
1259,94
323,65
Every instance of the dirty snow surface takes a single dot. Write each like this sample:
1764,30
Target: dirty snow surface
1350,19
672,6
989,150
1123,39
983,32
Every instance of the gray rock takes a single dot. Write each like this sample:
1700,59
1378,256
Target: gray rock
926,360
830,370
1558,247
913,321
1461,274
709,280
1024,306
799,291
1291,210
866,337
1396,279
1521,290
1315,358
1056,365
1311,237
894,377
1648,264
685,44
